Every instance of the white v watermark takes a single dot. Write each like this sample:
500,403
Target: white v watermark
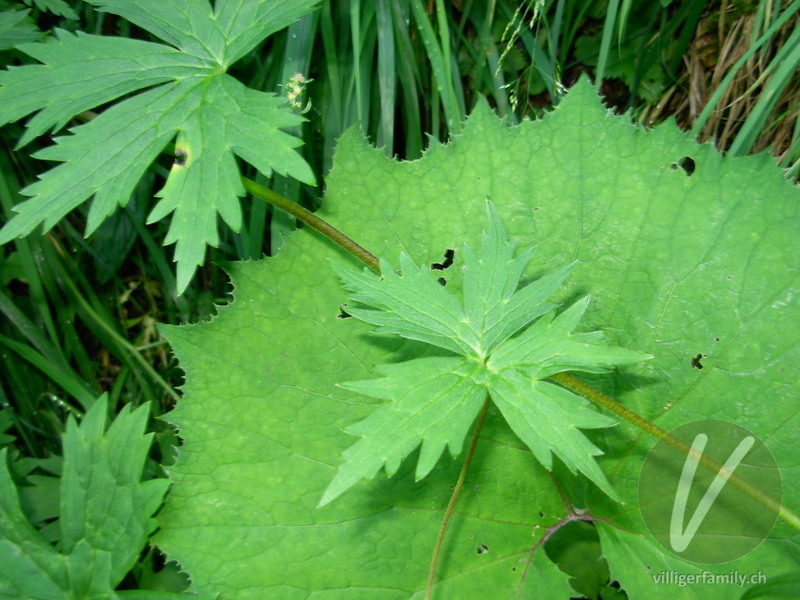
711,515
680,538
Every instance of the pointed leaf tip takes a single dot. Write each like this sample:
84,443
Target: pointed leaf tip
433,403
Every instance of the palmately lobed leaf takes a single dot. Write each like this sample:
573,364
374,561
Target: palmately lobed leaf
105,517
433,401
57,7
188,25
105,505
214,117
223,35
549,346
547,418
409,303
435,406
676,265
493,306
109,167
118,66
30,564
17,28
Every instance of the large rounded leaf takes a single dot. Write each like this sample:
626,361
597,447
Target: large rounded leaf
684,253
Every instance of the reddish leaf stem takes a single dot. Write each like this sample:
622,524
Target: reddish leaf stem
454,497
312,220
588,392
563,379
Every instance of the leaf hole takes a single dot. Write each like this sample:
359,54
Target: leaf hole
441,281
180,158
696,361
448,260
686,163
343,314
483,549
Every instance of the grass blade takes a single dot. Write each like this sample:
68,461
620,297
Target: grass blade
702,119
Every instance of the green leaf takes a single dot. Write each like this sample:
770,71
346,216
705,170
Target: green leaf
30,567
786,585
411,304
214,117
234,29
105,514
549,346
547,418
57,7
105,507
493,306
436,400
119,66
16,28
673,263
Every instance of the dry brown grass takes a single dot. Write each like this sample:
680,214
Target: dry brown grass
722,38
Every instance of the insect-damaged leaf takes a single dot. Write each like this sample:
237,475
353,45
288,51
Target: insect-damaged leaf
435,400
675,266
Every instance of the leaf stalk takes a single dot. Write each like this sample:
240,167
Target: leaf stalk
313,221
564,379
454,497
591,394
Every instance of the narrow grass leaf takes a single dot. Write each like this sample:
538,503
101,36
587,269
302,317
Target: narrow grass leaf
785,63
66,379
712,102
605,42
440,65
387,75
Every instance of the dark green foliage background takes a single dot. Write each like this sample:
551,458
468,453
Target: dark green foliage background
79,317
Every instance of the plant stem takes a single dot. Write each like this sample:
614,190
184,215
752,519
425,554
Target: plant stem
312,220
591,394
454,497
569,382
372,261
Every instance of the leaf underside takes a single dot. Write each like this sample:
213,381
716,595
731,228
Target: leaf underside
676,265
